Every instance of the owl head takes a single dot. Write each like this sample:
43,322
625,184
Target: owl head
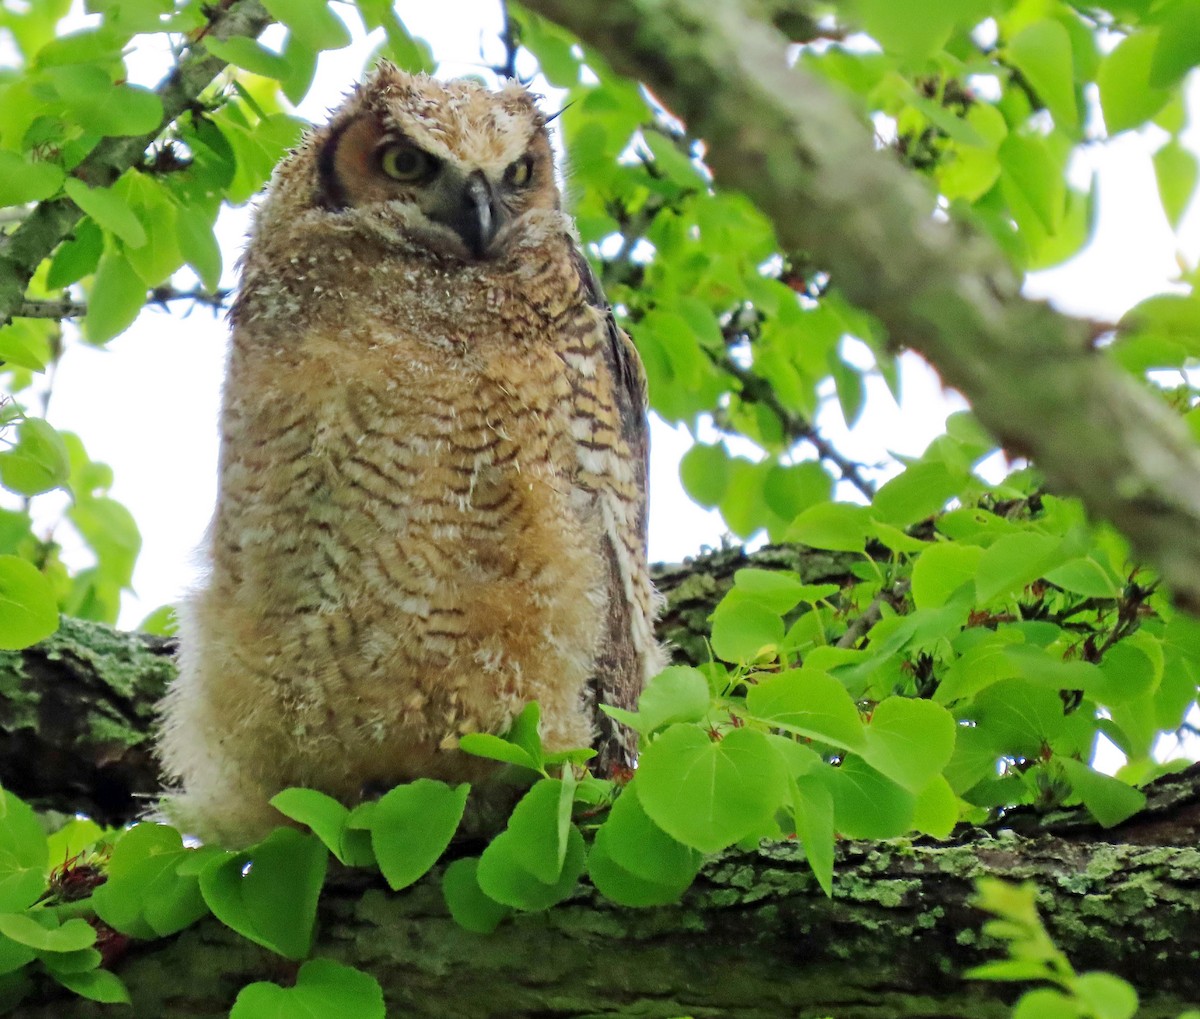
450,165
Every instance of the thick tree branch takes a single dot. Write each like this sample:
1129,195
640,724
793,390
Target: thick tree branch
802,153
41,231
754,939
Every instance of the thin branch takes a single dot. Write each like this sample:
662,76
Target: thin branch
800,152
41,231
512,45
68,308
756,389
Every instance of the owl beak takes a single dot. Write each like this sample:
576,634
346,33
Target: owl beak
475,216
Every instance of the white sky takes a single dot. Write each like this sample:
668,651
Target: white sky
148,403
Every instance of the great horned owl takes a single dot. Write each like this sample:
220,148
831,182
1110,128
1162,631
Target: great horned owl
432,504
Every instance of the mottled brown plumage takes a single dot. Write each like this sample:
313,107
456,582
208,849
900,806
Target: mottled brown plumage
432,503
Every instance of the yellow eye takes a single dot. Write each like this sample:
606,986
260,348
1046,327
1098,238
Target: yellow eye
520,173
406,163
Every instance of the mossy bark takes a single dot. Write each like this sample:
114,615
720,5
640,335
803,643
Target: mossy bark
754,938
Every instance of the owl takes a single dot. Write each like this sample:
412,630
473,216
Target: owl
432,494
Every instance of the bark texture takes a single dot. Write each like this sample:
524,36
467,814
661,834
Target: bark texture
806,158
754,938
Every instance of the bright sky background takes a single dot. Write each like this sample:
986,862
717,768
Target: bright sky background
148,404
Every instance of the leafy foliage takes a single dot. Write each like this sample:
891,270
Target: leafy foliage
985,635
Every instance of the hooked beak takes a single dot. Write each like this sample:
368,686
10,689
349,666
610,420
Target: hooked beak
473,214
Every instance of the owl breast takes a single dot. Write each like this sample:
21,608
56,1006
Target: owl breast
400,554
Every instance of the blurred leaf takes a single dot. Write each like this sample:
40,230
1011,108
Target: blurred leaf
1109,800
1127,95
324,989
28,608
1175,169
22,181
312,21
117,297
1042,52
467,902
1178,48
37,462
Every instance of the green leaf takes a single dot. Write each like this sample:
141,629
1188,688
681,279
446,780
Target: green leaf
535,837
1084,576
809,703
1011,563
504,877
104,108
1178,48
639,846
743,629
22,838
1175,169
1031,173
467,902
38,462
709,794
269,893
78,256
118,294
910,741
920,492
145,896
916,30
156,210
25,343
411,827
324,989
677,694
495,748
110,209
780,590
1016,718
812,810
840,526
28,612
95,984
312,21
936,810
198,245
1042,53
324,815
248,55
1045,1003
1127,96
22,181
624,886
868,805
704,471
110,531
941,570
1109,800
1108,996
25,930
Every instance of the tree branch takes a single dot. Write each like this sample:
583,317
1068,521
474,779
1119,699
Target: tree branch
799,151
41,231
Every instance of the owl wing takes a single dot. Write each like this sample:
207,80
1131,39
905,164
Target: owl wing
614,464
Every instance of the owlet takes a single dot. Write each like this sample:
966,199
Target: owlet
432,503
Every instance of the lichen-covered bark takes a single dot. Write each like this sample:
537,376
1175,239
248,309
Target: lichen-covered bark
754,938
76,713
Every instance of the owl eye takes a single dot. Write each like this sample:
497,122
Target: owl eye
520,173
406,163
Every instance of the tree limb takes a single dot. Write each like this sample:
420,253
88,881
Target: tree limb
753,939
23,250
801,152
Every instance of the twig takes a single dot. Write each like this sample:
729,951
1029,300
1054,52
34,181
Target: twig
67,308
756,389
512,45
